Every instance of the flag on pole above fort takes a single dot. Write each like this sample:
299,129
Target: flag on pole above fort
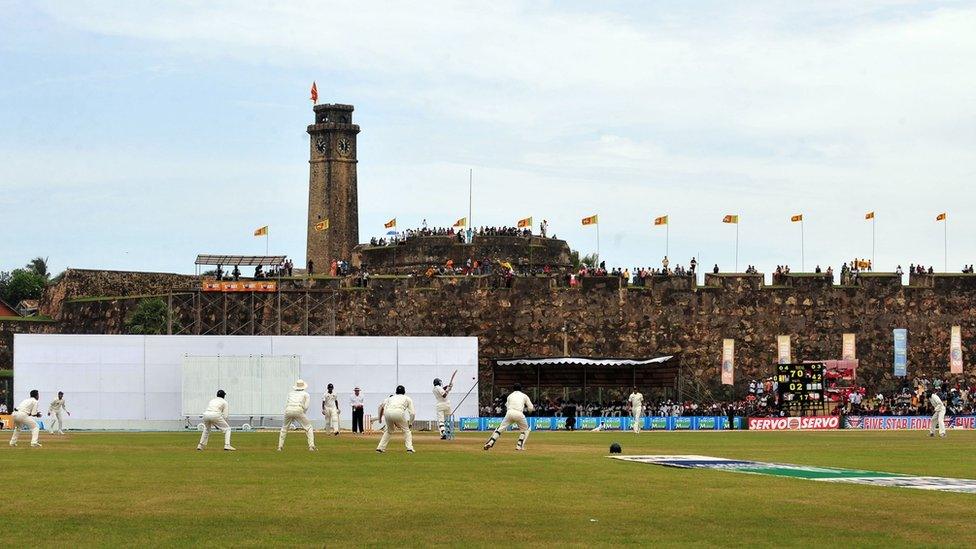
592,220
390,224
730,219
663,220
869,215
463,222
797,217
322,225
941,217
527,222
315,93
263,231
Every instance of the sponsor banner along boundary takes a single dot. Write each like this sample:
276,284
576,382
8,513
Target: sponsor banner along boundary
807,472
906,422
805,423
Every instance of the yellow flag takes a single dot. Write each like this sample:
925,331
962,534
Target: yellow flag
463,222
663,220
390,224
592,220
263,231
527,222
941,217
730,219
797,217
869,215
322,225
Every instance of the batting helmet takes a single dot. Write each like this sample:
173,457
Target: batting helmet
437,381
615,448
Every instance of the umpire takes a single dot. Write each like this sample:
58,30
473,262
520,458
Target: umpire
356,400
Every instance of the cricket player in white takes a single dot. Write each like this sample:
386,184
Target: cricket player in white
442,406
295,409
516,404
216,415
636,408
397,411
330,409
938,416
56,407
24,414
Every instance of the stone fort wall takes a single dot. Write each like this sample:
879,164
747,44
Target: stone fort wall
601,318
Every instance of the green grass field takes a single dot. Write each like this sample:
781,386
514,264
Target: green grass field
155,489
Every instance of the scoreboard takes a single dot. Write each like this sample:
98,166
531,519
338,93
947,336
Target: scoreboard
800,385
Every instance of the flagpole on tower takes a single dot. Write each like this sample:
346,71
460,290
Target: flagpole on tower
802,249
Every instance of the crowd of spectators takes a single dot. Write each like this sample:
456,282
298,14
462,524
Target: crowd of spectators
761,401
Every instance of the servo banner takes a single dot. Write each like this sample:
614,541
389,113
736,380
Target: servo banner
807,472
805,423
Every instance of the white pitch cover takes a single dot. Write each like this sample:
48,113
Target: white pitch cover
136,382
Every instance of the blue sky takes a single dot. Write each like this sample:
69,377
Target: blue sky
135,135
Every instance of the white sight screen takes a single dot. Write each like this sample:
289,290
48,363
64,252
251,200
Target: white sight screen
140,378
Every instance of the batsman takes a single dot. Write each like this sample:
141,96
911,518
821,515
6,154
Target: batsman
442,406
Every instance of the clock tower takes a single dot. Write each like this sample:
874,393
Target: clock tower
332,191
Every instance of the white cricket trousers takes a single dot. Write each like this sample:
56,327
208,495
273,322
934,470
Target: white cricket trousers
21,419
443,410
511,417
301,420
394,419
332,419
938,418
211,420
637,420
60,422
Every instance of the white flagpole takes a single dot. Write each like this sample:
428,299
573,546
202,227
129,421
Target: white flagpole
736,245
470,201
946,244
802,252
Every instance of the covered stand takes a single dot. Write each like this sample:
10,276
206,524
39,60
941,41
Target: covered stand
663,373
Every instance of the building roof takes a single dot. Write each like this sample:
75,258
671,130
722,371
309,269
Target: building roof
7,310
239,260
579,361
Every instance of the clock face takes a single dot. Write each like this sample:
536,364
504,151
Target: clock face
344,147
321,145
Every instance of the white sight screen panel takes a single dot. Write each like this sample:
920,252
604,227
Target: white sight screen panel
140,378
257,382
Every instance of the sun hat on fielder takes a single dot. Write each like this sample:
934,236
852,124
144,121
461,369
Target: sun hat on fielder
300,385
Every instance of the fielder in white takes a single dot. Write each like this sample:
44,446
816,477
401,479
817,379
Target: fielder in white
442,406
939,416
216,415
56,407
636,400
24,414
330,409
397,411
295,409
516,404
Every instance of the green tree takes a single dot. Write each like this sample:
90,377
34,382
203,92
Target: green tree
21,284
589,260
148,318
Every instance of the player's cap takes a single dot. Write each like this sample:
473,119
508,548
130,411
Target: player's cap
300,385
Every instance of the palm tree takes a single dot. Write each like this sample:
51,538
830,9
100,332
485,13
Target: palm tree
38,266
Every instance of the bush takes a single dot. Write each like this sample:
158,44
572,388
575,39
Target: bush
148,318
21,284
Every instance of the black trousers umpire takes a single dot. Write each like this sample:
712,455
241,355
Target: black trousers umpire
357,420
